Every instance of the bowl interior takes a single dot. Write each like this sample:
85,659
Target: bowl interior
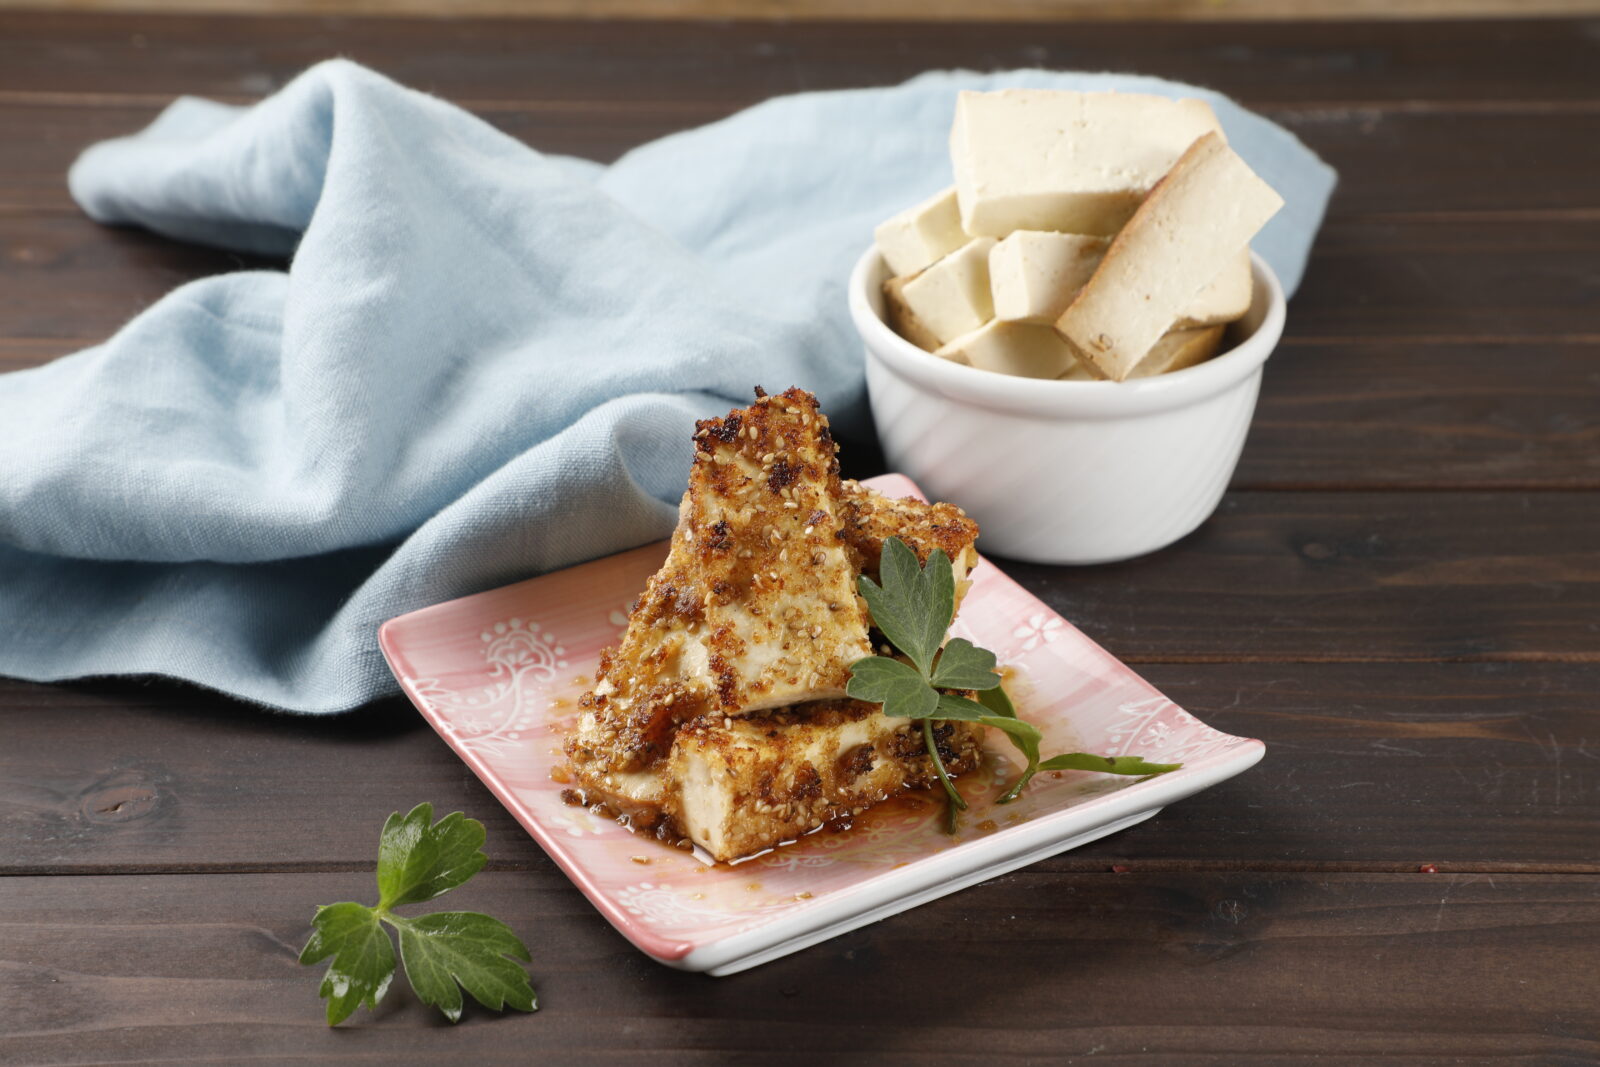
1247,344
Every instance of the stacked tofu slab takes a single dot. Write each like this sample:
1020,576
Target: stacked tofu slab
1087,236
720,718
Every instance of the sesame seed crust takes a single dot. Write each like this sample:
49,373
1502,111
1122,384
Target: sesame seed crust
736,654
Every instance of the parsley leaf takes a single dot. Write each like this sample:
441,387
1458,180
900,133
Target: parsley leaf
963,665
913,606
1083,761
444,952
417,862
898,686
363,957
450,947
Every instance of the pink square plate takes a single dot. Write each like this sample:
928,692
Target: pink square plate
498,675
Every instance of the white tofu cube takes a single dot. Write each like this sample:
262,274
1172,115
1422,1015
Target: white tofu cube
1037,159
1190,227
901,319
1035,273
1179,349
921,235
1018,348
952,297
1226,299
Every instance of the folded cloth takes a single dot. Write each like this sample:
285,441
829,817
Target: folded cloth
482,363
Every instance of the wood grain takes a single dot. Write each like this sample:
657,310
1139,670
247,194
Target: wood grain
1180,968
943,10
730,64
1428,415
1467,161
1375,767
1352,576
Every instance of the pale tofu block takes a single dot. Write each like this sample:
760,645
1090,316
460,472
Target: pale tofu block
1180,349
1039,159
1023,349
902,320
1191,226
1036,273
952,297
1226,299
921,235
737,786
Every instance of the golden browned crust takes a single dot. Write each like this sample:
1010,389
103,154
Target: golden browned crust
780,774
727,686
756,605
870,518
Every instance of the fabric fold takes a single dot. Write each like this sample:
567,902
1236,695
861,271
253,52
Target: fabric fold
481,362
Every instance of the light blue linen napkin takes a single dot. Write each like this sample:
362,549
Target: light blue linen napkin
482,364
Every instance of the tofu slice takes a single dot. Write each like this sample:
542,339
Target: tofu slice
1191,226
952,296
1038,159
756,605
1078,372
870,519
639,797
1018,348
738,786
1180,349
1226,299
902,319
1036,273
922,234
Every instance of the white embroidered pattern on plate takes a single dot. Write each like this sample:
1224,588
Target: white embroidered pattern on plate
491,719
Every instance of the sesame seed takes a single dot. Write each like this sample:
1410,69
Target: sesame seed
773,575
768,458
783,556
790,504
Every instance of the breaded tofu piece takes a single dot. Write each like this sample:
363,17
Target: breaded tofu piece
738,786
870,518
756,605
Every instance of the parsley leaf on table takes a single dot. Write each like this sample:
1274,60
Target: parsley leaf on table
913,605
443,952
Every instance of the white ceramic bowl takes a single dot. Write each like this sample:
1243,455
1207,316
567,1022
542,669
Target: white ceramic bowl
1066,472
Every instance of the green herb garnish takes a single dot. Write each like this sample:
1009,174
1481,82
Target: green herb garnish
444,951
913,607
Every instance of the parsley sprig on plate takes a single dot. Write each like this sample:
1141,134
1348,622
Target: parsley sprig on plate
444,951
913,605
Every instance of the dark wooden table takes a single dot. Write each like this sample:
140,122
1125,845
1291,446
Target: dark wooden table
1400,594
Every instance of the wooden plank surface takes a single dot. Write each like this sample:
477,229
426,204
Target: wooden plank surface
1401,595
1372,767
1036,966
945,10
736,63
